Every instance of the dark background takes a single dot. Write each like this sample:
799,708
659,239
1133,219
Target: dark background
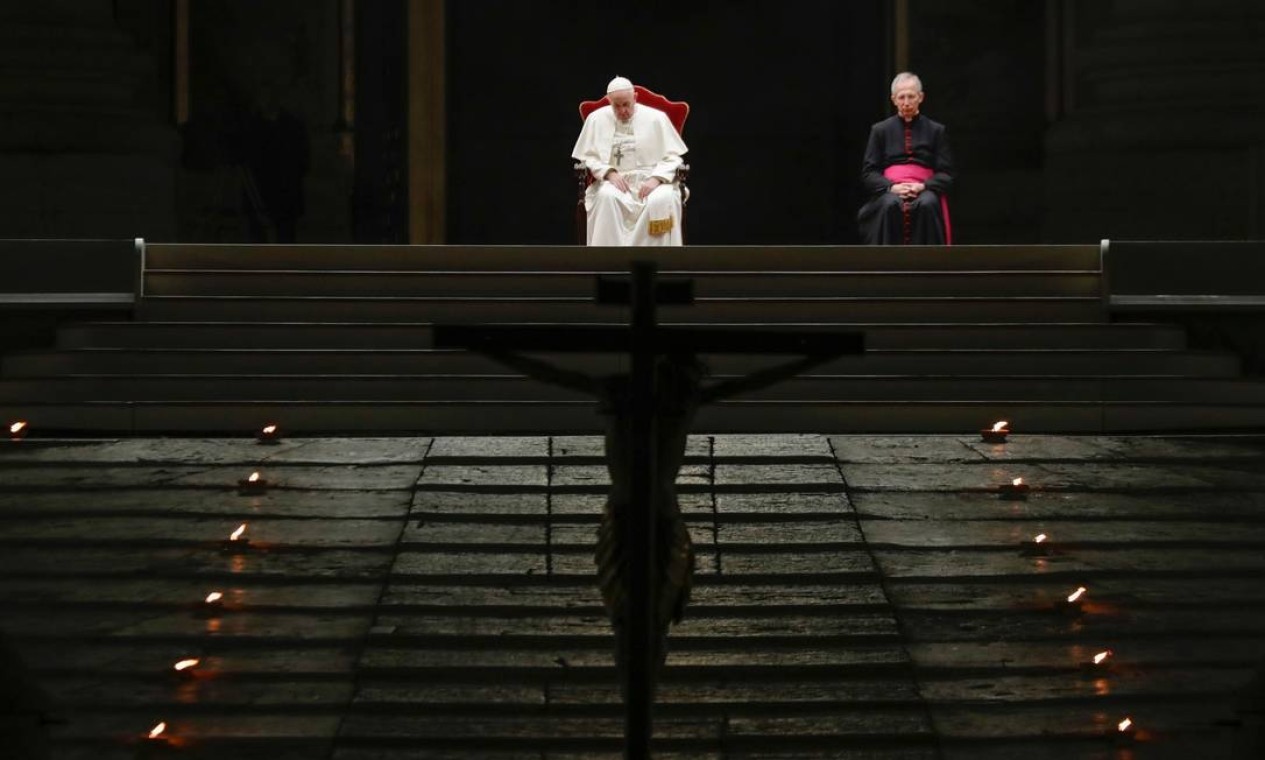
780,105
1071,120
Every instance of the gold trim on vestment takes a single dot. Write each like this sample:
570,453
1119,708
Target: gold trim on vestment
661,226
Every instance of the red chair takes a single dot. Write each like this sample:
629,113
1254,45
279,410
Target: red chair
677,110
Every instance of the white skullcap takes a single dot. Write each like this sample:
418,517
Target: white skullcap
617,84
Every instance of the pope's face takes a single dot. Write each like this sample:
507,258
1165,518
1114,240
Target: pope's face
622,101
907,98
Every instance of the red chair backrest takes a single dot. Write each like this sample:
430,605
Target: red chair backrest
677,110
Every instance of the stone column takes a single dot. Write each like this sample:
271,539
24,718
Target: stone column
1164,127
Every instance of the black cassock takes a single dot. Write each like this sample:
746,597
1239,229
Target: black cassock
883,219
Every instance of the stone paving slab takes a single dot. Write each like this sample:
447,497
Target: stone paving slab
183,501
207,451
1065,507
1223,651
504,477
226,477
129,624
498,446
749,696
1028,687
325,478
162,592
790,594
262,535
1131,593
892,449
1002,721
1084,563
1213,534
805,562
798,446
909,723
522,597
322,565
422,531
546,729
783,503
73,694
795,475
1098,624
829,530
458,503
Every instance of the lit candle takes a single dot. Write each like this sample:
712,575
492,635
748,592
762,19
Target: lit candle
1074,602
18,429
1039,546
1126,730
269,434
155,744
213,605
252,484
1099,665
1014,490
187,668
997,433
236,540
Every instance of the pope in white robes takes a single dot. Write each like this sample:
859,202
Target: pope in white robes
632,152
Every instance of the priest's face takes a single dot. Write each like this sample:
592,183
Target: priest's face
907,98
622,101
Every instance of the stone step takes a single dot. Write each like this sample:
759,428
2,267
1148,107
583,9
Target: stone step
418,284
314,335
476,310
475,387
684,260
1068,363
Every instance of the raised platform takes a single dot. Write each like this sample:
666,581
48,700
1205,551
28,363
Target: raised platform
336,339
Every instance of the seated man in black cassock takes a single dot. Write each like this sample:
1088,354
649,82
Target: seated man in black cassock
907,171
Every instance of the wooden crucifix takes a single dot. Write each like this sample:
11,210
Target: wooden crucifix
644,556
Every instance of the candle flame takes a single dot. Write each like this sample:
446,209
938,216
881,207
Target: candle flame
184,665
158,730
214,597
254,478
1040,538
1017,482
1000,426
270,429
1077,594
237,533
17,427
1125,724
1102,657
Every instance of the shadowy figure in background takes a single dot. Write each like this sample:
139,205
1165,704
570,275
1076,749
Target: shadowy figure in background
273,152
680,390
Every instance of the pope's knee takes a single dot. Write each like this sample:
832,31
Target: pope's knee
661,199
606,193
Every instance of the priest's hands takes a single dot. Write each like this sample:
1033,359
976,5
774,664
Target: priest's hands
648,187
617,179
908,190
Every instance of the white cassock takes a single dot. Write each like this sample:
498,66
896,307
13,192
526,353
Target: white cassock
645,146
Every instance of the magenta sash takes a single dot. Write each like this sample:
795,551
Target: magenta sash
920,173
